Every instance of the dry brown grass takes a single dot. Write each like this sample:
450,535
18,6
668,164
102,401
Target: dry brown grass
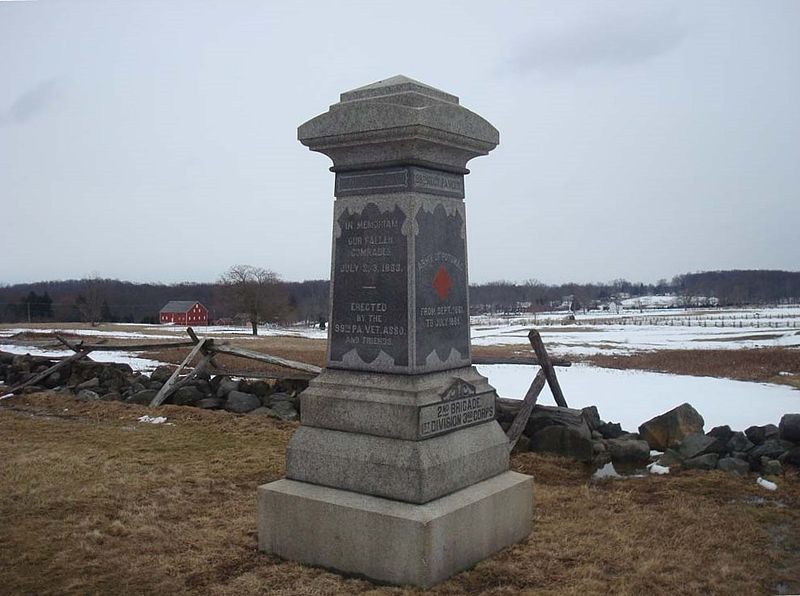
761,364
93,502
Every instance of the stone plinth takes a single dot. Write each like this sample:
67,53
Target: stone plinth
391,541
399,471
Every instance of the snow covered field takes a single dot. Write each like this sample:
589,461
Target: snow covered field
632,397
657,329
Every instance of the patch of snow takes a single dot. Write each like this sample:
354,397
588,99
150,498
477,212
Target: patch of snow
136,363
766,484
654,468
633,397
152,419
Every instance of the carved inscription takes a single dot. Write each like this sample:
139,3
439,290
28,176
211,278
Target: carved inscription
437,419
370,306
442,315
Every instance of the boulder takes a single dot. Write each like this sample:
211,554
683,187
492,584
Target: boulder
155,385
628,451
111,396
545,416
759,434
789,428
771,467
186,396
87,395
210,403
670,428
92,383
733,466
791,457
611,430
699,444
592,417
225,386
241,403
702,462
723,433
260,388
262,411
53,380
285,410
563,440
671,459
143,398
771,448
739,442
162,373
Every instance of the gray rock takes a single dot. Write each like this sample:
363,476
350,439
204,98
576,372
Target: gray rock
592,417
789,428
143,398
186,396
771,448
210,403
698,444
260,388
670,428
111,396
262,411
563,440
285,410
279,396
87,395
739,442
771,467
241,403
723,433
203,386
53,380
545,416
162,373
702,462
522,445
611,430
791,457
670,458
155,385
597,435
759,434
92,383
628,451
225,386
733,466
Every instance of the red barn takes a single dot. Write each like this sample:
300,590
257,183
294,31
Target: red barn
184,312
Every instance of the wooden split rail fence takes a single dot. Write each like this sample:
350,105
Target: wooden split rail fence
204,351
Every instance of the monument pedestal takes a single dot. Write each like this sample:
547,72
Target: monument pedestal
399,471
392,541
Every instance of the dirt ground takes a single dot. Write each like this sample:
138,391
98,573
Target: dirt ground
92,501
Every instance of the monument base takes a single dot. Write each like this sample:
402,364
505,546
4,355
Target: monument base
391,541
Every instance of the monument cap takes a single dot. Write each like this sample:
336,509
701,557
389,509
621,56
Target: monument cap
399,121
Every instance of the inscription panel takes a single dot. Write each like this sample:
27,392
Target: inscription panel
400,179
446,416
442,314
370,296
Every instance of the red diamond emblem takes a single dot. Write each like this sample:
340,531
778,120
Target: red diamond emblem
442,283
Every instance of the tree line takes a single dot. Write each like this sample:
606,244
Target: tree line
231,297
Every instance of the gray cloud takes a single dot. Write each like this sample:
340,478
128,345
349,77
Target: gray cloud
32,102
608,38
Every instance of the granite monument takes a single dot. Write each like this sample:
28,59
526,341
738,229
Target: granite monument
399,471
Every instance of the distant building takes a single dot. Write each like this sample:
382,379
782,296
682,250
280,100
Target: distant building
184,312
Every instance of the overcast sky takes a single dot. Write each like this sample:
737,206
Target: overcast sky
156,141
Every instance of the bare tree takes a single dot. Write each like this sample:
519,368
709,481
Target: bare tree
90,302
255,291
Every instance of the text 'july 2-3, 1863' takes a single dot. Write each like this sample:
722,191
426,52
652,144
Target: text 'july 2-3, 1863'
370,309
